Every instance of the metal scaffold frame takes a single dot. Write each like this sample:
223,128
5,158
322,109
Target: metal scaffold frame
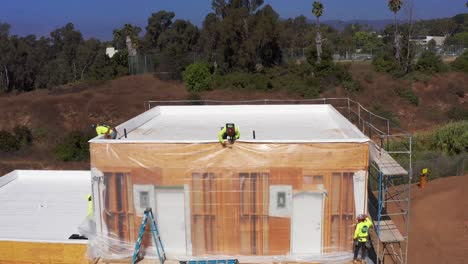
390,170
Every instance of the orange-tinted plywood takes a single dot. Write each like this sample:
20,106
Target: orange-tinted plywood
279,235
240,155
30,252
227,191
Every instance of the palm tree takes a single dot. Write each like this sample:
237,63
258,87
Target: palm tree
395,6
317,10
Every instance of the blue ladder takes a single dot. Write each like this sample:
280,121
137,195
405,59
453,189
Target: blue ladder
156,237
219,261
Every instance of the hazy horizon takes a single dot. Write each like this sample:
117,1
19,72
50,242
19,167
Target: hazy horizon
99,19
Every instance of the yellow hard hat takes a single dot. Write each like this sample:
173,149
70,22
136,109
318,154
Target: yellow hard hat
425,170
89,196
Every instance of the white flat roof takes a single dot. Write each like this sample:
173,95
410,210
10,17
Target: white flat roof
43,206
271,123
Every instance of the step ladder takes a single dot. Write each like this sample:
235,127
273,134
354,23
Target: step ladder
218,261
148,214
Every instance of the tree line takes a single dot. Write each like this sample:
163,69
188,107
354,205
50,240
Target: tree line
242,35
30,62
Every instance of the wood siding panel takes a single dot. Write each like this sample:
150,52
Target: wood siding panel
32,252
216,223
318,156
279,235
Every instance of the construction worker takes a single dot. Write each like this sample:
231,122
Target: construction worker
230,132
90,206
107,131
423,178
361,237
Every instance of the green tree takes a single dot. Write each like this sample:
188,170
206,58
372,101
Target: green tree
395,6
157,24
451,138
219,7
73,147
367,41
236,27
182,36
86,55
65,43
120,36
265,37
8,142
177,46
210,37
197,78
429,62
460,39
4,57
295,33
317,11
385,62
105,68
432,45
461,63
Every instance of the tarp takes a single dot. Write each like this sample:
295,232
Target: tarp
248,201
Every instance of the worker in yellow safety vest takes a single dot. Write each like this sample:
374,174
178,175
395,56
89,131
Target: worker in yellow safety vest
107,131
230,132
423,178
90,206
361,236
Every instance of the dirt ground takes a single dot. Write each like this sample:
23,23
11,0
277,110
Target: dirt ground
437,95
439,222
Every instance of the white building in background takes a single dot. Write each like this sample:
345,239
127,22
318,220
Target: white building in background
439,40
111,51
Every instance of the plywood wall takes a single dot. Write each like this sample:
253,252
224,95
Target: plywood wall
229,190
15,252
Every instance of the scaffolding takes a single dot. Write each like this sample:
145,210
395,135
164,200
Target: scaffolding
390,171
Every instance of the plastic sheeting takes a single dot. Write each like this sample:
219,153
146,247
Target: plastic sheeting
253,202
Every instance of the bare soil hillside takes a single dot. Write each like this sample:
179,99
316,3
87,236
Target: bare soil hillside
437,95
53,113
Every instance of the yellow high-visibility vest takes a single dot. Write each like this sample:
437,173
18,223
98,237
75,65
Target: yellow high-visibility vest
103,129
223,131
362,230
90,206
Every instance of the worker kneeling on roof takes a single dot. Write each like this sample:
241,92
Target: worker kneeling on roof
229,132
361,236
107,131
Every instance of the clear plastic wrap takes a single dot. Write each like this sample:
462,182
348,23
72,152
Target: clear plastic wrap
253,202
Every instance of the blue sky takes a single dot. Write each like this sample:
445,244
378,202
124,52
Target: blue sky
97,18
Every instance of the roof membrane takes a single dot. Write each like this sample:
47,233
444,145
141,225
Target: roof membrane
269,123
46,206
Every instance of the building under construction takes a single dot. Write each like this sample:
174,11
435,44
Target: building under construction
288,190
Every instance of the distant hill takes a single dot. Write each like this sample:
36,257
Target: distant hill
377,25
